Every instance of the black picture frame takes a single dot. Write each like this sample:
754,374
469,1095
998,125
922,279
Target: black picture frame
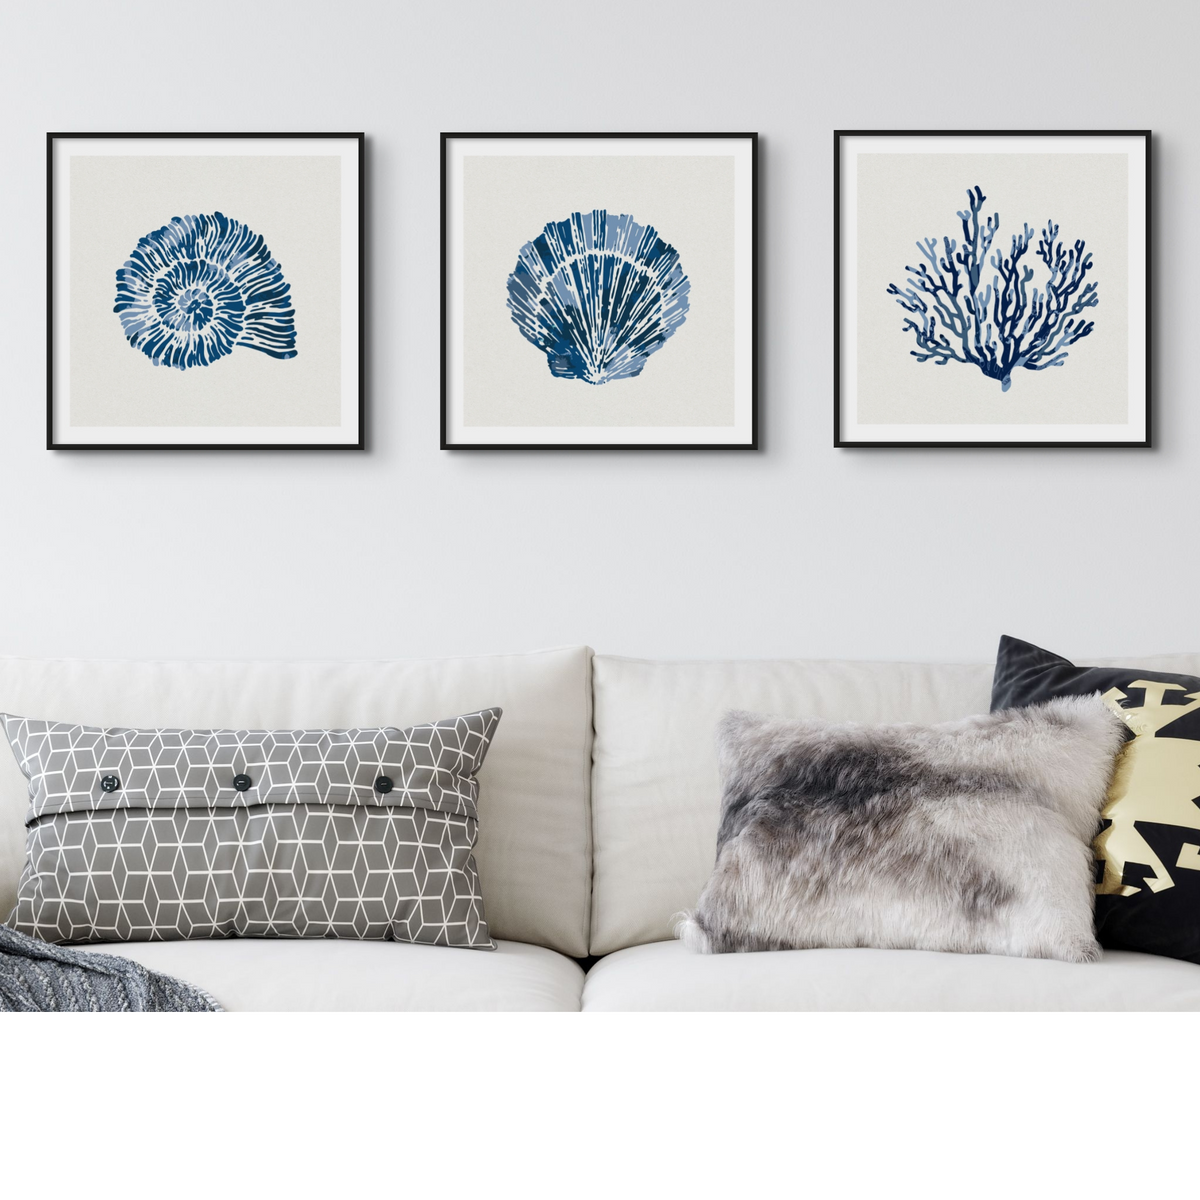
751,444
53,444
843,443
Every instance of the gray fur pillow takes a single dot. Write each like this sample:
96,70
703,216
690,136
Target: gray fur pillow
972,836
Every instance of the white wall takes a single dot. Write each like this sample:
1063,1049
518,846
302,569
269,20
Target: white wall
799,549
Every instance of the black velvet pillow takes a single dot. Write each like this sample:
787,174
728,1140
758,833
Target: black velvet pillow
1148,873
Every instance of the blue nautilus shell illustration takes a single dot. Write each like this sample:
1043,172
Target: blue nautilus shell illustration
200,286
598,294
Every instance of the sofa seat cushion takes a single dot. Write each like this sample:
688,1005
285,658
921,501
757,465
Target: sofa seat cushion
666,977
331,975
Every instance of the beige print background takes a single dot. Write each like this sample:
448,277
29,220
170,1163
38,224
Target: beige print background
294,202
507,201
905,197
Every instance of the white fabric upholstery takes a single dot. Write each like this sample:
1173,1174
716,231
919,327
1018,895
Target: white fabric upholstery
655,794
655,790
339,975
534,850
665,977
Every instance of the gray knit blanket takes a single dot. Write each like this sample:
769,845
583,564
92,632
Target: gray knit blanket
38,977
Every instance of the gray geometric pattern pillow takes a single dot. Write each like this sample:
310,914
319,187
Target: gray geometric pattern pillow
162,834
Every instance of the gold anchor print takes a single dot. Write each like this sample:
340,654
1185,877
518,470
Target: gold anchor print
1157,781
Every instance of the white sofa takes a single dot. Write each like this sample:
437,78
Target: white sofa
598,816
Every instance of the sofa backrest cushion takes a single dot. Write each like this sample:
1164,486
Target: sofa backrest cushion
655,787
534,851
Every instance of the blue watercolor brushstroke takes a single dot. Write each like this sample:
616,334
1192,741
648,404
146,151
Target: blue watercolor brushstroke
196,288
957,314
598,294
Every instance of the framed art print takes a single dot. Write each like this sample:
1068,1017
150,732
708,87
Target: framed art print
598,290
205,290
992,288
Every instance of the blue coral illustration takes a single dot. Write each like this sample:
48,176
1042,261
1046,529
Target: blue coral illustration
998,324
198,287
598,294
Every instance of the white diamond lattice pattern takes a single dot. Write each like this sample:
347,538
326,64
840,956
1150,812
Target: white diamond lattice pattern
312,848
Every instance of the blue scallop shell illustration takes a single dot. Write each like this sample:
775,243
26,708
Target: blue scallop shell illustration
196,288
598,294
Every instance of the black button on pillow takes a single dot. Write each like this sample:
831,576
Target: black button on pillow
110,783
383,785
243,783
